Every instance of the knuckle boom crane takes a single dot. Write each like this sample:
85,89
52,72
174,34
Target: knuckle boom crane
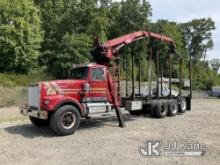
104,53
95,89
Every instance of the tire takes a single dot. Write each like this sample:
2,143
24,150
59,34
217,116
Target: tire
172,108
136,113
152,107
39,122
160,109
65,120
182,105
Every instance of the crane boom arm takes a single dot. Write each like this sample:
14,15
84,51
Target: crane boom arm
128,38
109,49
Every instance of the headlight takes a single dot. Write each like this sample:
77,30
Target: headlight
46,101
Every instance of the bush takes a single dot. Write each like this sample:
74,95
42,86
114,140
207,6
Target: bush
204,77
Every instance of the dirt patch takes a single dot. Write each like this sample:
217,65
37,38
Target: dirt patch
10,114
100,141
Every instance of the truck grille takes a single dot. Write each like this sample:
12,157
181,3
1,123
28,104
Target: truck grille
34,96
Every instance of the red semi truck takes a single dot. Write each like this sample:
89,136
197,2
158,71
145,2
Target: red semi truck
95,89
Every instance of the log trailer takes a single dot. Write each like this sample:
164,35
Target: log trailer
94,88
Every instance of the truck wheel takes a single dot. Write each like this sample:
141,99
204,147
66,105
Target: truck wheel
160,109
39,122
65,120
182,105
173,108
152,107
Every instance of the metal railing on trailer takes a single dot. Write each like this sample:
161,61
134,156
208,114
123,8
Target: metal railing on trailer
159,75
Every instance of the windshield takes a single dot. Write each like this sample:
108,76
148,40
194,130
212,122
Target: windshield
79,73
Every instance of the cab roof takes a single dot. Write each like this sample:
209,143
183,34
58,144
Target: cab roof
87,65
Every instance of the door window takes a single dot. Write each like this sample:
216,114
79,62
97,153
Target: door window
98,74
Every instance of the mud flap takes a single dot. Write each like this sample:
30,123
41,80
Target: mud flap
119,116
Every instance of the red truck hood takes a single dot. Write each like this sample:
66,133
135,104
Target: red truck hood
66,83
64,86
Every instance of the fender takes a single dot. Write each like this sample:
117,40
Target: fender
70,101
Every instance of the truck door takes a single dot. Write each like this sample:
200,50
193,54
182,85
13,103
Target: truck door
99,87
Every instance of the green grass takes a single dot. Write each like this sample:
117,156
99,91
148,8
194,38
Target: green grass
10,84
9,96
15,80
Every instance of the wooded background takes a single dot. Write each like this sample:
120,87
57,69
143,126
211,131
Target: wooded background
41,39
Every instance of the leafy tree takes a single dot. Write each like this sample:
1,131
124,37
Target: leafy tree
60,33
129,16
99,24
65,21
20,35
55,26
197,35
203,77
126,17
69,54
169,29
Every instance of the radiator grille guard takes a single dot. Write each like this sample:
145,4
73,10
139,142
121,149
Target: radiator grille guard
23,97
34,96
30,97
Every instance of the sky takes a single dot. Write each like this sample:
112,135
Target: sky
186,10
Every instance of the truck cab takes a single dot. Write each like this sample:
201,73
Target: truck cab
61,103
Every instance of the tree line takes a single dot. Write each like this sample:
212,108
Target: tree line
51,35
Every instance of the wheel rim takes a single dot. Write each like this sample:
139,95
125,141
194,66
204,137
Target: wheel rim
183,105
68,120
163,110
174,108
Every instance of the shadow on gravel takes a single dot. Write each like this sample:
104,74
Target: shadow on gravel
30,131
104,121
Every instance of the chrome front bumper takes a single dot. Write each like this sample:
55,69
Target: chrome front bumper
40,114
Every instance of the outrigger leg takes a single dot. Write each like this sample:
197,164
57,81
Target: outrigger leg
119,116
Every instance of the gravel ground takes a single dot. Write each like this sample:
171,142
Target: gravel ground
100,141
